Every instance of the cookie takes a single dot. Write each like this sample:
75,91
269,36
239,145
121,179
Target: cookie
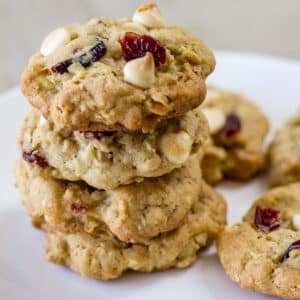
104,257
111,74
284,153
260,254
238,129
131,213
106,160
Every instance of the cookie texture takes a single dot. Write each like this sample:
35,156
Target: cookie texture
93,96
131,213
236,148
284,153
104,257
212,162
266,261
108,160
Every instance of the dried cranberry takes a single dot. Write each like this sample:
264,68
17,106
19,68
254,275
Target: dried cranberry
86,59
78,208
32,157
266,219
232,126
293,246
62,66
92,55
134,45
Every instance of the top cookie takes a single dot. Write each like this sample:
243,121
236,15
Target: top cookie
107,74
284,153
238,130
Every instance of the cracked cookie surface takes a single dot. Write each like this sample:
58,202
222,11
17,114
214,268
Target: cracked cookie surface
284,153
132,213
233,151
103,257
95,97
263,258
108,160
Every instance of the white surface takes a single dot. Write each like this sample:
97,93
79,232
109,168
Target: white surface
24,272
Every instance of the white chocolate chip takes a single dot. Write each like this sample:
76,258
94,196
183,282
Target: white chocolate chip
149,15
43,122
215,117
176,146
296,221
54,40
140,71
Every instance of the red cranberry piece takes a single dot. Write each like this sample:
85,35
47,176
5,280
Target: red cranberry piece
62,66
86,59
293,246
266,219
92,55
134,45
78,208
34,158
232,126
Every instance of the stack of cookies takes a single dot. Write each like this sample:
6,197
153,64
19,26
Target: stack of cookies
110,165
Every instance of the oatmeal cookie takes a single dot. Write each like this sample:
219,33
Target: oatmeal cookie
104,257
106,160
238,130
111,74
131,213
260,254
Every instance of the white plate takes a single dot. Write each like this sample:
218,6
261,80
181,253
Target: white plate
24,272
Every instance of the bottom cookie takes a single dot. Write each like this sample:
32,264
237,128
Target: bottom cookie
260,254
103,257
